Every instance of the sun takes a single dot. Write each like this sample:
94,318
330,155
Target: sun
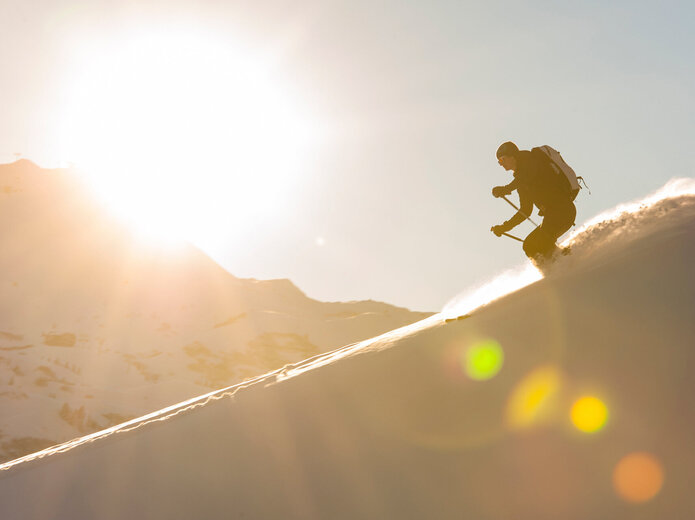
182,134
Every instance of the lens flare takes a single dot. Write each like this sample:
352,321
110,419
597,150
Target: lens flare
589,414
484,360
533,397
638,477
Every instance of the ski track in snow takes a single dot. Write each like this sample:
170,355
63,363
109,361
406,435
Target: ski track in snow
276,376
594,240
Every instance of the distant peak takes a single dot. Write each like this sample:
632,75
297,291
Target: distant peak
25,163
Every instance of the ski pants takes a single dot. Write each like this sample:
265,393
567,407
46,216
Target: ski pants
540,243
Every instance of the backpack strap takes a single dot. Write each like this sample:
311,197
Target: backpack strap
581,179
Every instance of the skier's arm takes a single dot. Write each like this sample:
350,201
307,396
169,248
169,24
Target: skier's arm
501,191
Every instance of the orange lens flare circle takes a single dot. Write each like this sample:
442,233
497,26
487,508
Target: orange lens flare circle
638,477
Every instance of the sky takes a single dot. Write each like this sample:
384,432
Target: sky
348,146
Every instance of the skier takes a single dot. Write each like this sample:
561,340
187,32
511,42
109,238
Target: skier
538,183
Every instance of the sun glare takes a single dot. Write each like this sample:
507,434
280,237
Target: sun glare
182,135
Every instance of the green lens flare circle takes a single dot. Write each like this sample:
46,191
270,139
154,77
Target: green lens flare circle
484,360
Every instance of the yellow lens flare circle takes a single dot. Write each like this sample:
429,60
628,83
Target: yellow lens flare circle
638,477
484,360
532,400
589,414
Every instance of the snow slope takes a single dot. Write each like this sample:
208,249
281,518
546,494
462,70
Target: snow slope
399,427
98,326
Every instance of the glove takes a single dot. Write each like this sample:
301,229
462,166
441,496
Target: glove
498,230
500,191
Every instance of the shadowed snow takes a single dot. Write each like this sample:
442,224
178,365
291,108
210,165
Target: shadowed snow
591,375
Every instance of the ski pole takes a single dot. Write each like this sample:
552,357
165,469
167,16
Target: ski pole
512,236
508,235
523,214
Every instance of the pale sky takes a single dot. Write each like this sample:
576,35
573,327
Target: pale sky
408,102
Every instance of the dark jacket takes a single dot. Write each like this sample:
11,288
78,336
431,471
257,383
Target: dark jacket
537,184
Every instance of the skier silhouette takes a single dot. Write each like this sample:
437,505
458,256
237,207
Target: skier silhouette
538,182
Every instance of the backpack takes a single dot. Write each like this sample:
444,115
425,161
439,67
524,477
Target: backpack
562,169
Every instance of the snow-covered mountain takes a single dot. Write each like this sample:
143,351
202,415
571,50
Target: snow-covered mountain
97,326
570,398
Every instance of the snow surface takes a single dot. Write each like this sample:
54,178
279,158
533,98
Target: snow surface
393,427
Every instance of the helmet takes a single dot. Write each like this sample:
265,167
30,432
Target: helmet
507,148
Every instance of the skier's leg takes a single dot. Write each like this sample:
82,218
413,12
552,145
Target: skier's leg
538,243
560,221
